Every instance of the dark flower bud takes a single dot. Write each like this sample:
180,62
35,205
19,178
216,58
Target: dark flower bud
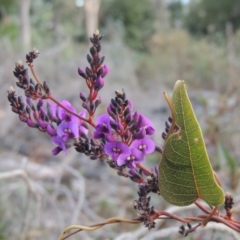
92,106
83,135
113,125
119,110
28,110
98,102
136,178
101,60
86,106
49,112
164,135
15,74
126,135
46,88
100,72
128,119
21,103
119,100
114,103
93,50
85,125
42,112
94,76
37,88
93,157
167,125
99,48
20,85
39,104
23,118
82,73
83,97
88,72
15,110
31,105
28,94
92,142
89,59
158,149
31,87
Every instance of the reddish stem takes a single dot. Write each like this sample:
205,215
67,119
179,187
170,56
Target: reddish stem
144,168
199,205
172,216
89,121
35,75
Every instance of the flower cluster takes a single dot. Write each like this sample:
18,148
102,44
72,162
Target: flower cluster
120,135
123,133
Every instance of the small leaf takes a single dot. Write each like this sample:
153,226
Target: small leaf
185,172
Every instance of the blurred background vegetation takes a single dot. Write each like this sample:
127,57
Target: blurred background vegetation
148,45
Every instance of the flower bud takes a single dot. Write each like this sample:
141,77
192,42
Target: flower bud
105,71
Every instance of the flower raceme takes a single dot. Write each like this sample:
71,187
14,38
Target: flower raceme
120,135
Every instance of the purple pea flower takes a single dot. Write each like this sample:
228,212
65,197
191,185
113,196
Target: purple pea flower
114,149
143,122
145,145
102,126
68,130
135,156
60,145
63,114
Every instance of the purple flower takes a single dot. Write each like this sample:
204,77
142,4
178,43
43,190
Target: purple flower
63,114
114,149
60,145
102,126
140,134
135,156
68,130
145,145
143,122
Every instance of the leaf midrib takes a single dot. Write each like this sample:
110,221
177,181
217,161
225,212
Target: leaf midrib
194,177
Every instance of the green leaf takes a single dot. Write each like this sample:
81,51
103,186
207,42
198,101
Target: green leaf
185,172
